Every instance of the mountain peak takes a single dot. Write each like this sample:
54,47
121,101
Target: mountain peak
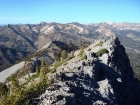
95,79
42,23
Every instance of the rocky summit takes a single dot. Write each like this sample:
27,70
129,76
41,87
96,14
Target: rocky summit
100,75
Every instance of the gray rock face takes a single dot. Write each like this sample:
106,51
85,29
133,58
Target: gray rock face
103,80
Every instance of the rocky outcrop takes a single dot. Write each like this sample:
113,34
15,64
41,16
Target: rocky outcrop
105,79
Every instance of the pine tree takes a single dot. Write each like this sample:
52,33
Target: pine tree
43,71
81,51
57,59
42,77
37,69
64,55
42,64
3,89
15,84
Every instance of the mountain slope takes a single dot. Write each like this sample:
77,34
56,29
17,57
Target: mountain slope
98,79
32,37
98,74
9,56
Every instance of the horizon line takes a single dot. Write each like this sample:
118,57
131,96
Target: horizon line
111,22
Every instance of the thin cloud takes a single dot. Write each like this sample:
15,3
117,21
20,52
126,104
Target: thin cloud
15,18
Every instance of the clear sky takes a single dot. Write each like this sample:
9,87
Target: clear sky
66,11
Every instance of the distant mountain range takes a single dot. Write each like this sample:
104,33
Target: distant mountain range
32,37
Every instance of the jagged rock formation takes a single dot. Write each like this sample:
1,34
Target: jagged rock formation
97,80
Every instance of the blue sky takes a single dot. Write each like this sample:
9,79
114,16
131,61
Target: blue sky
66,11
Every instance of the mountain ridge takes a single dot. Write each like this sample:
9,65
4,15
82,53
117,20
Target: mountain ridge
33,31
94,75
106,79
32,37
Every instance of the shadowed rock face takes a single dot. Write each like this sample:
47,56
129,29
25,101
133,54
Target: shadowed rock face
104,80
